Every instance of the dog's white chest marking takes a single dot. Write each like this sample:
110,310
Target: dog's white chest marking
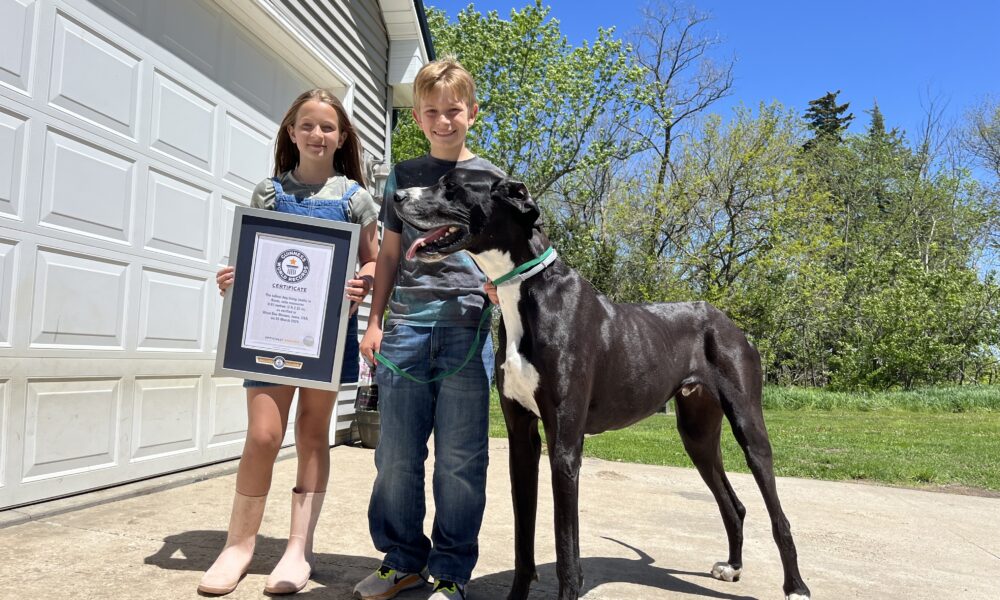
520,379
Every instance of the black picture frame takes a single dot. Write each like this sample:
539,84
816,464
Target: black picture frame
234,357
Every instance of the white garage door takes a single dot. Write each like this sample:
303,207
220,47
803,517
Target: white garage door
125,143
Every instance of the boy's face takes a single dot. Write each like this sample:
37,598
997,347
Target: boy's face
445,120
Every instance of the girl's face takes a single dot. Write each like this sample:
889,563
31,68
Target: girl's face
316,132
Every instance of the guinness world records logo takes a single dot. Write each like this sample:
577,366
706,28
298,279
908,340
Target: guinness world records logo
292,266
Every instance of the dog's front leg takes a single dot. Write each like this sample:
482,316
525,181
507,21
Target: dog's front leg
565,455
525,450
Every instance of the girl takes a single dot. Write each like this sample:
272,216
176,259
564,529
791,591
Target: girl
317,172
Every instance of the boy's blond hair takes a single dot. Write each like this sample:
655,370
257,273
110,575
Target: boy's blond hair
446,72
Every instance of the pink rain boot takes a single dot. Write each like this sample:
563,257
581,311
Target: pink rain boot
293,570
225,574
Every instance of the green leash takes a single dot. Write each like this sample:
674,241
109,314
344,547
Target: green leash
546,257
472,351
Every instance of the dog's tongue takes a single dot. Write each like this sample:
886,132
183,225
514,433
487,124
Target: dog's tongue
430,237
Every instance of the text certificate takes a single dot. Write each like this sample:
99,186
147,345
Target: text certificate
289,283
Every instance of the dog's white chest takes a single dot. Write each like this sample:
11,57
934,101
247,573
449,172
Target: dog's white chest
520,379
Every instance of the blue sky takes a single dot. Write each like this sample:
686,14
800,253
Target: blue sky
900,53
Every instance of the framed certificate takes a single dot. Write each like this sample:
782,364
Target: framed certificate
285,317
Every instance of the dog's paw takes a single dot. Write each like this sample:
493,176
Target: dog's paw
796,597
725,572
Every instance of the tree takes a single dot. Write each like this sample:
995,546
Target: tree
541,99
826,118
679,79
903,263
982,134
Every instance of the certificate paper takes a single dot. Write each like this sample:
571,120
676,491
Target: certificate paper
286,308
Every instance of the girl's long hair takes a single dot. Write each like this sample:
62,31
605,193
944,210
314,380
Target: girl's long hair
346,159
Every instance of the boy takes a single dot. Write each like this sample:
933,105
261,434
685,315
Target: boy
434,313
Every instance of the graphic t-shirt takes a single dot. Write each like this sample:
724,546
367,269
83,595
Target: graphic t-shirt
447,292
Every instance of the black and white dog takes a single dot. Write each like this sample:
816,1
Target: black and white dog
583,364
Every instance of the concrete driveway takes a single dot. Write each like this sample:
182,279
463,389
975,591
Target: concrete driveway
646,532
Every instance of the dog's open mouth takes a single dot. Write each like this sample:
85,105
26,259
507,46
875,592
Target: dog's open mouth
437,241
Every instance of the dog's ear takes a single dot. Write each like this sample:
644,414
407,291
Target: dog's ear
516,194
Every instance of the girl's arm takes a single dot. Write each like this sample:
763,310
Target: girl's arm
362,283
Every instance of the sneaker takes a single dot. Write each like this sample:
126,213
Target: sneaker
386,583
447,590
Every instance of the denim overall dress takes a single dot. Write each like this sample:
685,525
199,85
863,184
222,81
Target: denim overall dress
335,210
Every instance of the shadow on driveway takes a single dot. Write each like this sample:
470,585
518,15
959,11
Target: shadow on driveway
337,574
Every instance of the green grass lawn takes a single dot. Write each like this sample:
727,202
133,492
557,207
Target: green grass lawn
906,443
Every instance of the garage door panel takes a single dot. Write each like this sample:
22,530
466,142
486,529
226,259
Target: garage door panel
189,29
177,217
71,426
227,412
172,312
79,301
85,188
250,73
247,152
17,28
215,320
94,78
225,234
13,134
8,262
183,123
132,12
165,417
5,434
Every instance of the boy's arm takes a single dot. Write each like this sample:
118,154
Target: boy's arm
385,275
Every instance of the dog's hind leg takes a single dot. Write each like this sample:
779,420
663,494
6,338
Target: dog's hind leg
525,450
699,422
742,404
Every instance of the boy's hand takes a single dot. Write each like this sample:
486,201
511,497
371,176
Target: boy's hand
224,278
357,289
371,343
491,291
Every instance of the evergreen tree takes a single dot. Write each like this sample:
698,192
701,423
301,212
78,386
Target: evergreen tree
826,119
876,129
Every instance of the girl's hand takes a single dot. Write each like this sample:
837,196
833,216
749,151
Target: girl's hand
491,291
371,343
357,289
225,278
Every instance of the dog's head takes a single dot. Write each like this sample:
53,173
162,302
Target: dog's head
467,210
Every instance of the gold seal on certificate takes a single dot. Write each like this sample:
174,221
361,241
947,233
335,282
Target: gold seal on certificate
289,282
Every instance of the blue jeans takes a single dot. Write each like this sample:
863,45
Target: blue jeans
456,409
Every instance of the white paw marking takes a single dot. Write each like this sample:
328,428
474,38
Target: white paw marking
796,597
725,572
520,378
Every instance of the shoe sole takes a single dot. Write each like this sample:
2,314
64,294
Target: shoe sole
406,583
219,591
282,590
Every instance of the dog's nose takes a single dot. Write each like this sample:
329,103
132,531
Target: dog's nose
399,196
